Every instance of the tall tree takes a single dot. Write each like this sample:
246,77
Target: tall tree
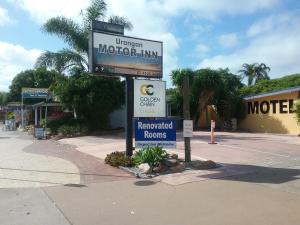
40,78
3,98
93,98
209,87
255,72
76,35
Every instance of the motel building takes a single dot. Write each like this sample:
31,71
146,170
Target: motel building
272,112
265,113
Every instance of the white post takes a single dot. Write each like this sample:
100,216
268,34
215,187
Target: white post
46,113
40,115
35,117
22,112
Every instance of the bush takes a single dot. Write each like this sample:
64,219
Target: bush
54,124
10,116
118,159
150,155
66,125
69,129
297,111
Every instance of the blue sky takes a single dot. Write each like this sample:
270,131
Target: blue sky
196,33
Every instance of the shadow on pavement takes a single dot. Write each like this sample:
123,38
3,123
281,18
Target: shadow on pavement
255,174
144,183
75,185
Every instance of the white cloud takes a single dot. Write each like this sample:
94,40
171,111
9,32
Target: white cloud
202,49
14,59
4,17
40,11
270,23
213,9
228,40
275,46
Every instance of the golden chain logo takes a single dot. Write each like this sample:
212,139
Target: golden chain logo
147,89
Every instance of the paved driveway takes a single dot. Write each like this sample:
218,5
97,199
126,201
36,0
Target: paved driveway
267,159
248,148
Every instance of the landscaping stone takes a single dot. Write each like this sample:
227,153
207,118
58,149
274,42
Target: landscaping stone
178,168
203,165
171,162
144,167
174,156
162,168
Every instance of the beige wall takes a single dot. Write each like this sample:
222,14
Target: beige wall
207,115
279,122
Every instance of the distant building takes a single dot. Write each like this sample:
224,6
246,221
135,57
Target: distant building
272,112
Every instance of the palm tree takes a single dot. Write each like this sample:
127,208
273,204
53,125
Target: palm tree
76,36
255,72
262,72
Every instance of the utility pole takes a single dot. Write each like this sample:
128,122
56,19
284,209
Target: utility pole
186,115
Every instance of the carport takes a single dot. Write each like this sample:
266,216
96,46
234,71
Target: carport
42,108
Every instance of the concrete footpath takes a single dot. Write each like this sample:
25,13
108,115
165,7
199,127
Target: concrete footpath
144,202
60,184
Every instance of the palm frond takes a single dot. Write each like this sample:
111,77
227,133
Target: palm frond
96,11
121,21
69,31
62,60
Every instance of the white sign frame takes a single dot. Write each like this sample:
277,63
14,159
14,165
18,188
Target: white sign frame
149,98
119,55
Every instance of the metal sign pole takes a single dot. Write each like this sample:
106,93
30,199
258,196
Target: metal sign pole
129,115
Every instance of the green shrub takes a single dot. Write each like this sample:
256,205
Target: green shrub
297,111
66,125
118,159
150,155
69,129
43,123
53,125
10,116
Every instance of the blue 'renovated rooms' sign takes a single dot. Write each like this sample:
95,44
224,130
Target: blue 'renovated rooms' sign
155,133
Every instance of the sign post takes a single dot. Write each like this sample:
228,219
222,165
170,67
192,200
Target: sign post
186,115
129,115
113,54
22,113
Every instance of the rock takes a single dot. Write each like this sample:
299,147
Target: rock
203,165
178,168
161,168
144,167
171,162
195,164
174,156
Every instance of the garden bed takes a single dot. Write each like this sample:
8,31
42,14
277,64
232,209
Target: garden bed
152,162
